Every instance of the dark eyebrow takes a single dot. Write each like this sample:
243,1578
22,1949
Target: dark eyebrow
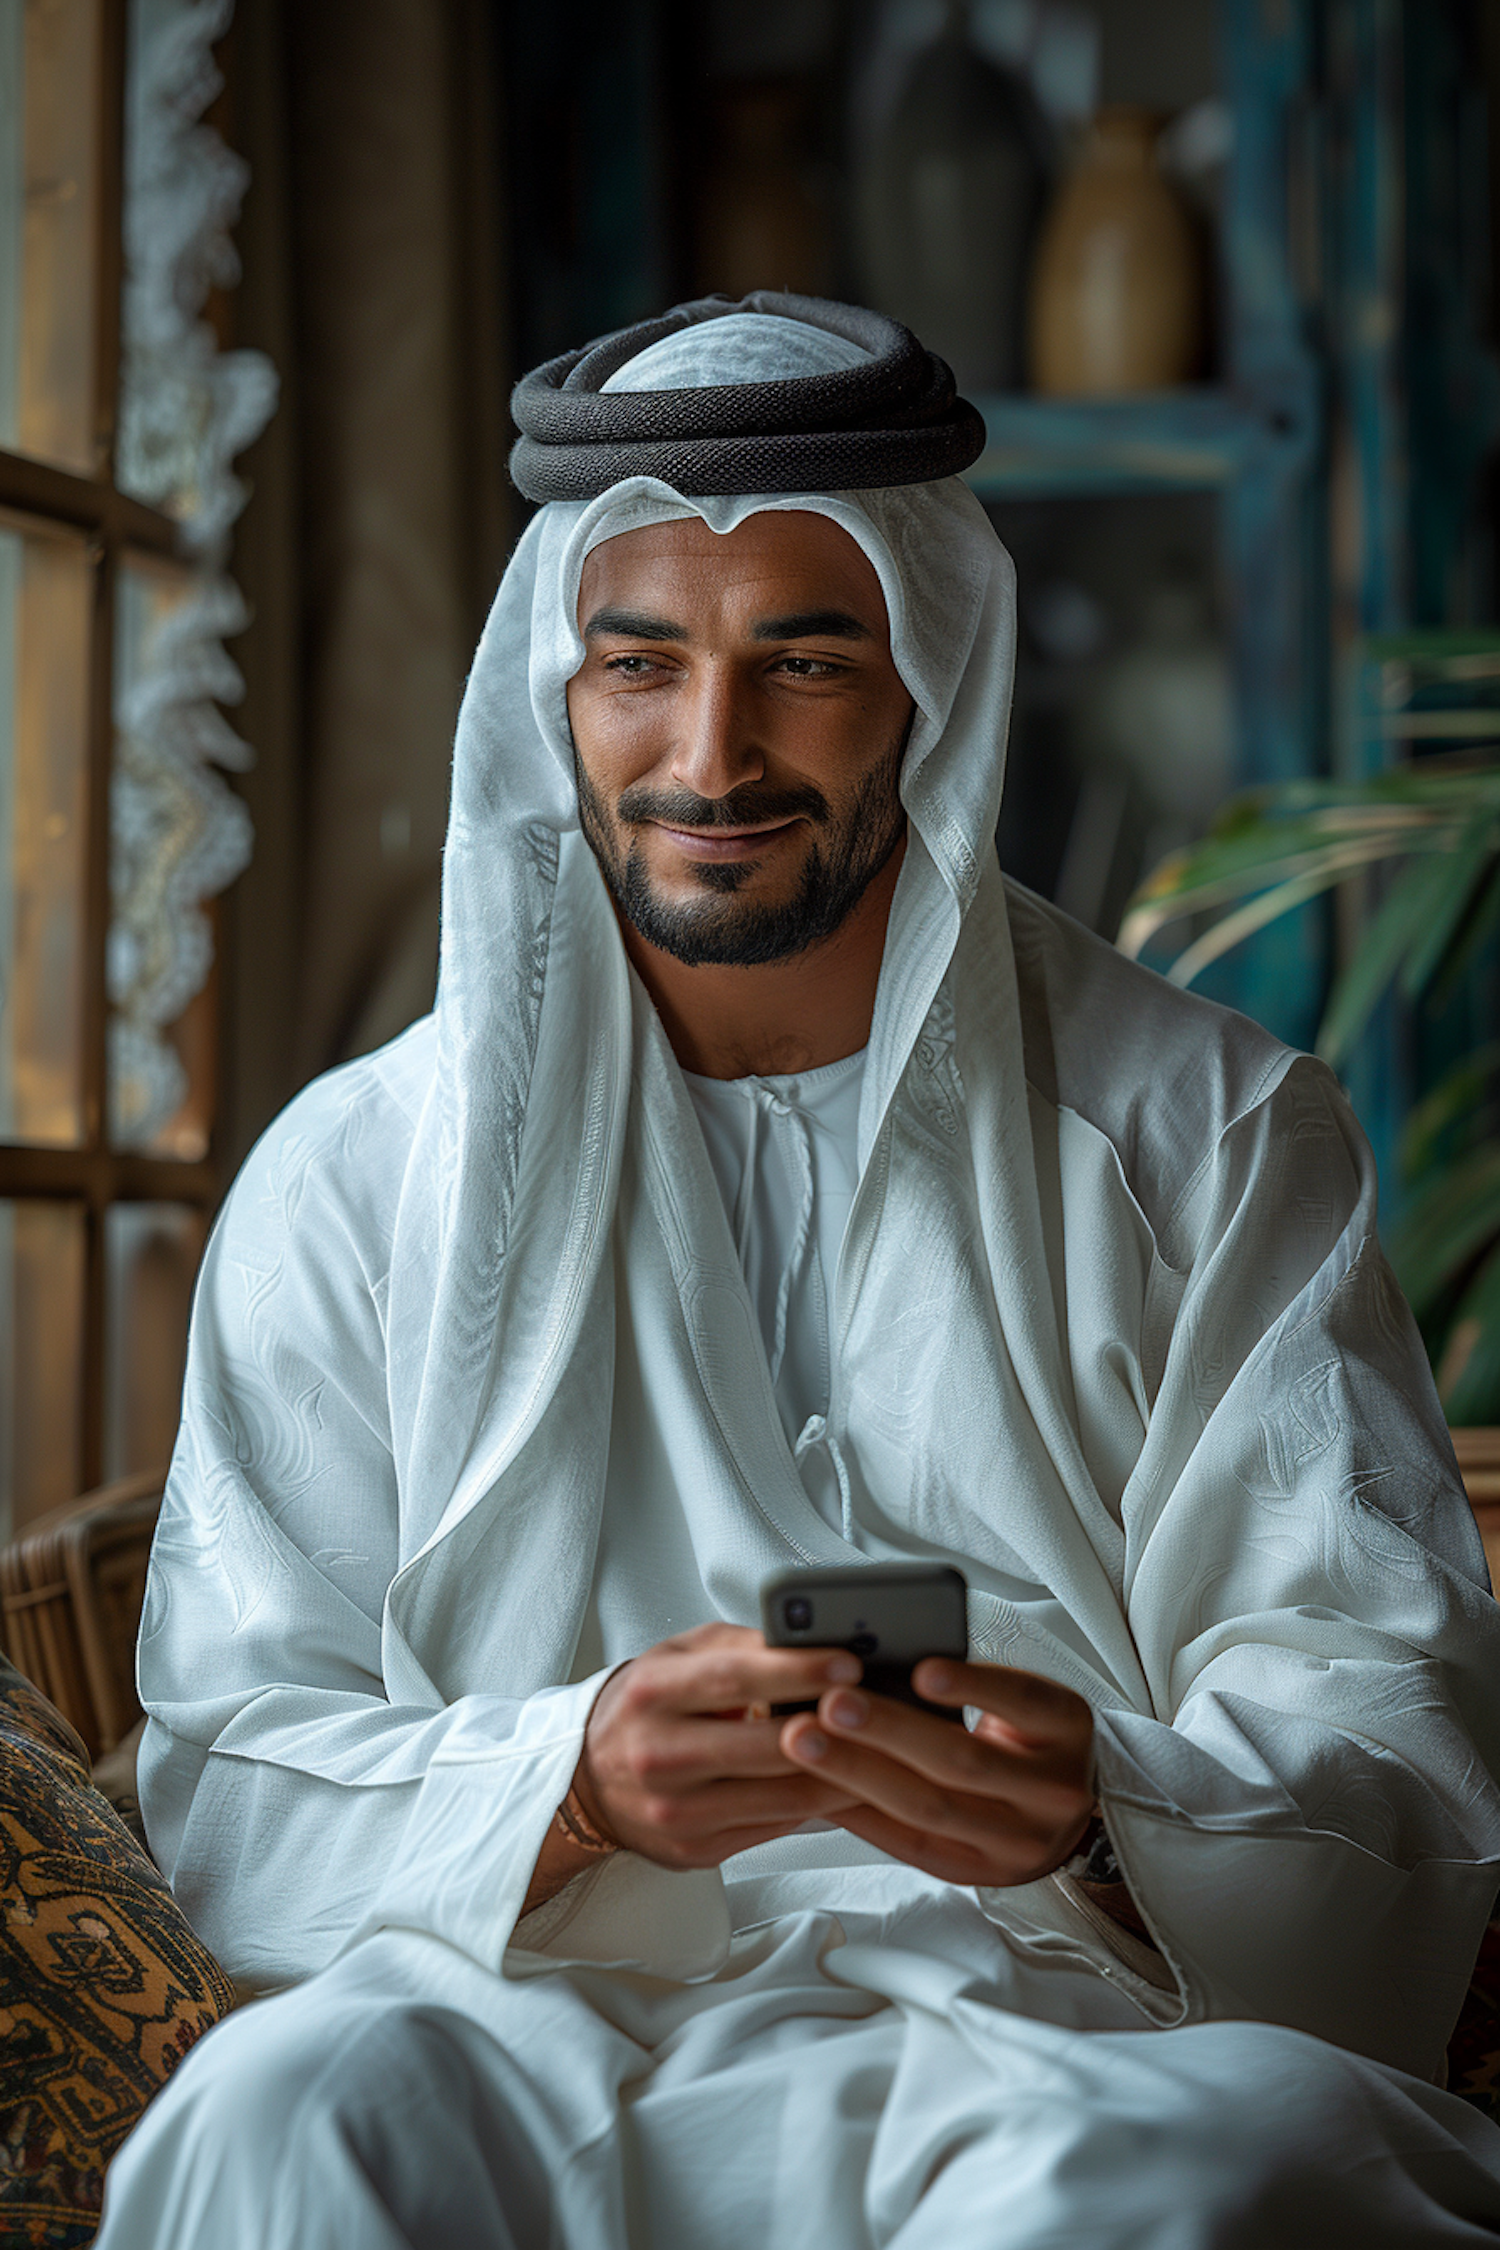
801,625
631,625
812,625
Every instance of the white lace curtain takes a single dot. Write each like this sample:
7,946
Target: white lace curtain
179,834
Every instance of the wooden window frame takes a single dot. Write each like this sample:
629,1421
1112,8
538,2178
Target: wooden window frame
92,1173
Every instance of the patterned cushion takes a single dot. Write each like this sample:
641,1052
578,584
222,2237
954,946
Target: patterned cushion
103,1986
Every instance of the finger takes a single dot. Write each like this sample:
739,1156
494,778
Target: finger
1004,1859
685,1753
903,1791
1034,1711
677,1756
907,1765
717,1634
728,1677
1048,1786
705,1749
739,1640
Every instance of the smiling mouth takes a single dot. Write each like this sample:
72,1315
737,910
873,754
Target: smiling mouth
722,843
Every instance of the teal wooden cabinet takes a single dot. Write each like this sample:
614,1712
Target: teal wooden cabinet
1355,405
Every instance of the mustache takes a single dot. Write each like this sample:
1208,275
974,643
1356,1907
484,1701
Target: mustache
742,808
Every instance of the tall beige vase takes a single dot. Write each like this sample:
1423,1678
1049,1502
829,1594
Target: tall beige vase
1117,297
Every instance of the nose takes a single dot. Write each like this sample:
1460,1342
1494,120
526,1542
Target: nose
715,748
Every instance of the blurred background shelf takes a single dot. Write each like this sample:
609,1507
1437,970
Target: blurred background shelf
1160,441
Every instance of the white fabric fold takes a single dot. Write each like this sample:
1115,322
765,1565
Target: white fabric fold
784,1154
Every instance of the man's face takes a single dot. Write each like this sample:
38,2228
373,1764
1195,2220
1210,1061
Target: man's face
738,727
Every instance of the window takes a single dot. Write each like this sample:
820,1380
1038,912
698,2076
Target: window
114,827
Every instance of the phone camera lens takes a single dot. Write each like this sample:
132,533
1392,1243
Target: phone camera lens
799,1613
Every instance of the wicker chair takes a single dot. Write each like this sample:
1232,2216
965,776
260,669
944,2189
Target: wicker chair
71,1588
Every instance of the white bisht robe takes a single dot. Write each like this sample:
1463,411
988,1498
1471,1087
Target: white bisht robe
475,1383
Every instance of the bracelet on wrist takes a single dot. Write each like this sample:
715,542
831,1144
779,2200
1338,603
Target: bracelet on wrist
575,1824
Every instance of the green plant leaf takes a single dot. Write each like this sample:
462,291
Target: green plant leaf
1246,849
1457,1094
1466,871
1469,1365
1402,921
1445,1226
1477,929
1255,853
1210,880
1457,786
1231,929
1272,849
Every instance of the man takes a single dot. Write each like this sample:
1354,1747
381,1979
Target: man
774,1184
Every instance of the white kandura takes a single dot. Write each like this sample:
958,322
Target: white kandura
474,1363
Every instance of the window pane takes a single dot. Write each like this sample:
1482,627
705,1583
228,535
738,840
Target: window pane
164,818
41,1356
49,129
45,595
151,1253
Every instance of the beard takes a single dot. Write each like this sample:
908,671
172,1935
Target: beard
718,928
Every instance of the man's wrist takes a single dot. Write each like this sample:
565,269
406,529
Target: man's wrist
570,1847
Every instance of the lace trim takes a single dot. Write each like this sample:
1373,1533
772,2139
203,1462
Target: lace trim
179,835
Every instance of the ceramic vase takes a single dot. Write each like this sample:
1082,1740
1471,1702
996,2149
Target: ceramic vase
949,193
1117,297
1162,710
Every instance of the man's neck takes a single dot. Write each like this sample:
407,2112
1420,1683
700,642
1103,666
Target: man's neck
779,1017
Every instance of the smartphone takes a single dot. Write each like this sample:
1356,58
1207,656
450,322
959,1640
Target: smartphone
890,1615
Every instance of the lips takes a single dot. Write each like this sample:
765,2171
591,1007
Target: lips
724,843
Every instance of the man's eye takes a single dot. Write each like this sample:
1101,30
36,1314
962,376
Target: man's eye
630,667
808,667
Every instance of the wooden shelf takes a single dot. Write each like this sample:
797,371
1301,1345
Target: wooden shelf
37,488
1478,1452
1151,441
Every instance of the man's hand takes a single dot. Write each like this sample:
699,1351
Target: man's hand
1004,1804
682,1762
